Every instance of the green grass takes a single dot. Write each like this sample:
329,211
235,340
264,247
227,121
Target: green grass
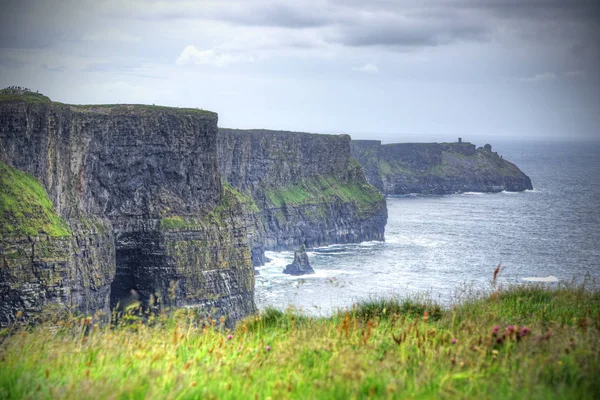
144,108
25,209
379,349
231,198
7,95
319,189
241,197
30,97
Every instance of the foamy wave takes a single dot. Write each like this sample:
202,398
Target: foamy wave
549,278
413,241
472,193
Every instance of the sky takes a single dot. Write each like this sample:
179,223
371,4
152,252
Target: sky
390,70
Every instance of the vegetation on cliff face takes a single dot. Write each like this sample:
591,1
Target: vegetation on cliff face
25,209
231,198
521,342
321,189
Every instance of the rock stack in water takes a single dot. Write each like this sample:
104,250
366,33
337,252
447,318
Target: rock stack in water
301,265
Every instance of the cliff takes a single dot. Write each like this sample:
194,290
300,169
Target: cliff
307,188
99,200
437,168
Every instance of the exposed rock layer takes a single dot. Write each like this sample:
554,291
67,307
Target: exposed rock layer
140,191
436,168
307,188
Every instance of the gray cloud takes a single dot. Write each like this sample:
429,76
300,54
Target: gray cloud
278,15
583,10
54,68
479,65
10,62
408,32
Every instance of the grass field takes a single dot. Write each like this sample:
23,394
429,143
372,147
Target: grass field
523,342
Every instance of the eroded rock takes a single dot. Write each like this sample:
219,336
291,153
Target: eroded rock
300,265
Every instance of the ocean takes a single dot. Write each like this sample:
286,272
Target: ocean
446,246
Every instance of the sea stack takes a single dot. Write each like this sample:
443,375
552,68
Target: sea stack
301,265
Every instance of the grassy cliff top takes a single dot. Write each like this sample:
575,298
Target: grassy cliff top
13,95
27,96
277,133
25,209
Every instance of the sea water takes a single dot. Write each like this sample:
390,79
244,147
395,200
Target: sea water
444,246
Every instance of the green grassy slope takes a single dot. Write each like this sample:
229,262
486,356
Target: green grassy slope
522,343
25,208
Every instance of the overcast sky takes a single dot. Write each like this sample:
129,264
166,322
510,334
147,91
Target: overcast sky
391,70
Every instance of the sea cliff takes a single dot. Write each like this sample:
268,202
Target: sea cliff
307,188
437,168
100,200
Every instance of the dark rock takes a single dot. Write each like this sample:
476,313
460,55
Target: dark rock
139,188
301,265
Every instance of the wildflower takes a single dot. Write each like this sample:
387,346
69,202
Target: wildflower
229,337
525,331
268,348
495,330
510,328
453,340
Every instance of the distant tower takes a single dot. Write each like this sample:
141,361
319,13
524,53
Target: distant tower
488,147
459,140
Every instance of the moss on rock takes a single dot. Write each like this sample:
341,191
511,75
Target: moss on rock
25,208
320,189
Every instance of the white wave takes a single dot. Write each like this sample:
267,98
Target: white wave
472,193
331,246
507,192
549,278
414,241
331,253
369,244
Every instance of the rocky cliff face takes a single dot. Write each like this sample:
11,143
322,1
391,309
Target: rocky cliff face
139,192
307,188
437,168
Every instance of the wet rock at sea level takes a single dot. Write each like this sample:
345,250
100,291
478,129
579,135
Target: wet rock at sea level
301,265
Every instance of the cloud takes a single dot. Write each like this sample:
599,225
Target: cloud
191,55
543,77
409,29
54,68
111,35
278,15
575,74
368,68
